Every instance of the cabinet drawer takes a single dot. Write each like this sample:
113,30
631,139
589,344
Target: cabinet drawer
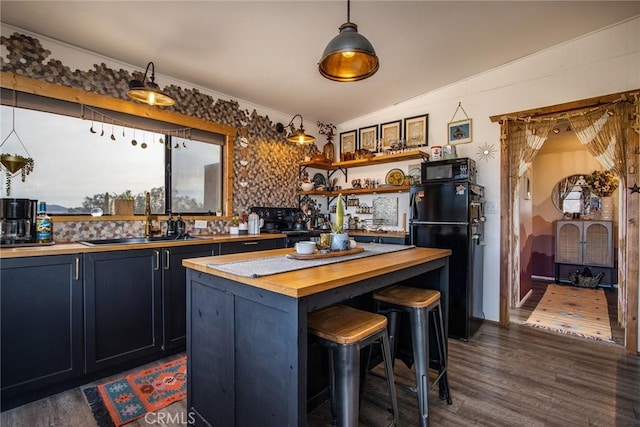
250,246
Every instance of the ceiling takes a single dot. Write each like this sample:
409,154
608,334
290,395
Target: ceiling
266,52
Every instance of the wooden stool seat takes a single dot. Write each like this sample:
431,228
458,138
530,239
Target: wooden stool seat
344,331
344,325
408,296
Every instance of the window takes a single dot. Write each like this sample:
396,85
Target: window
77,170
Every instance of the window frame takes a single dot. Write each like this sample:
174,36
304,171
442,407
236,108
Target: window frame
79,97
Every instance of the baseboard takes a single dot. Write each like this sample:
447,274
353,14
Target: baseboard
543,278
523,300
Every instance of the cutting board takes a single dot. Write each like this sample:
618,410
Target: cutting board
318,255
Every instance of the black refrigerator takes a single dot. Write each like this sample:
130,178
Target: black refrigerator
450,215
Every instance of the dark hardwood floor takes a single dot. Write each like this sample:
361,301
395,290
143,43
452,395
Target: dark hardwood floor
516,376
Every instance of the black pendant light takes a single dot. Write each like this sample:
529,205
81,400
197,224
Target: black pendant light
349,56
148,91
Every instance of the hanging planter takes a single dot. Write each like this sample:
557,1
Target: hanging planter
12,164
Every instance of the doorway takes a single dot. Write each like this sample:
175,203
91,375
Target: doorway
628,257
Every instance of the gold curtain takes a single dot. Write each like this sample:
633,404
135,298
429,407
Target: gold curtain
601,131
525,138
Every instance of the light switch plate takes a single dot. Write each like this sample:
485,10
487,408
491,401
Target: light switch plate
201,223
490,207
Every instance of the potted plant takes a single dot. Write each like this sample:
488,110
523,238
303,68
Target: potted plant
328,130
12,164
243,225
123,204
339,239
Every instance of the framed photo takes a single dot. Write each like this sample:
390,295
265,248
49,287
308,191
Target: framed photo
459,132
390,135
369,138
348,141
416,130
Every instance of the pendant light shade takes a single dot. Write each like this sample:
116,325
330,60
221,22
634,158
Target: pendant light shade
349,56
148,91
296,136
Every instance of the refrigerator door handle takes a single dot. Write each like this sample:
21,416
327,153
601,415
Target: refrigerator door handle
412,206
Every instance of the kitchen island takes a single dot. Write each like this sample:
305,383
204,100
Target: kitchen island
247,336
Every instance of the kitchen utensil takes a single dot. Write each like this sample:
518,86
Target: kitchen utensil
93,114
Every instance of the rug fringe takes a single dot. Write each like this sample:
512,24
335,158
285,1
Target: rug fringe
98,408
565,332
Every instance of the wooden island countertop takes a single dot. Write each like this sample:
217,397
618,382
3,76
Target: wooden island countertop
301,283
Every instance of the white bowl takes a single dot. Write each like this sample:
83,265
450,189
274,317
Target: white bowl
307,186
305,248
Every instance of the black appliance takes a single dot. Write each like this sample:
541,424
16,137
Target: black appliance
450,215
449,169
288,221
18,221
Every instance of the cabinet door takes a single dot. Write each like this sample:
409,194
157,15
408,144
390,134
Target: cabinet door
174,291
250,246
123,318
41,315
598,247
569,242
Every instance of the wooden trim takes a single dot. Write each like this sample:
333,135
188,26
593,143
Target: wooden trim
42,88
505,231
567,106
632,235
227,176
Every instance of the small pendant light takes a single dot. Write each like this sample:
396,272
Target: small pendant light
349,56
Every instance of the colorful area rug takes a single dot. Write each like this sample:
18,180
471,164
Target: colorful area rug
575,311
126,399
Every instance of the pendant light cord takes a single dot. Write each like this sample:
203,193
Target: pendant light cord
348,11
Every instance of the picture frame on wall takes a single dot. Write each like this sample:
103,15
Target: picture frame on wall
459,132
416,131
348,142
368,138
390,135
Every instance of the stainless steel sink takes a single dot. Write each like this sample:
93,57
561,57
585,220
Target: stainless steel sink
135,240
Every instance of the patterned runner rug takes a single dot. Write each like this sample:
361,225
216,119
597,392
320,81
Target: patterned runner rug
575,311
126,399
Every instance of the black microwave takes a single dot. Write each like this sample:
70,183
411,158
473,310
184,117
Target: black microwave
449,169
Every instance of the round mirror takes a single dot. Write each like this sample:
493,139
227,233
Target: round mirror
572,195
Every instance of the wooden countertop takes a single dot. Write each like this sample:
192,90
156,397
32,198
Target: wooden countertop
301,283
77,248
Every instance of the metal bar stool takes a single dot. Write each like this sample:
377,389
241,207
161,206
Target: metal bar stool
345,331
419,303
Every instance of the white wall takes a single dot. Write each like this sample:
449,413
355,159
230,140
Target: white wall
604,62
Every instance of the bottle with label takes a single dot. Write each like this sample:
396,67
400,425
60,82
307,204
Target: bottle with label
44,225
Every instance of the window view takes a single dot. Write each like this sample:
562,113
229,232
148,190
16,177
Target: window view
80,165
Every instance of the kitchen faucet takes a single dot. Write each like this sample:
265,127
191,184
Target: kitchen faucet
148,218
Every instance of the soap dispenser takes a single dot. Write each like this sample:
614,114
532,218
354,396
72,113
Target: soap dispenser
171,226
180,227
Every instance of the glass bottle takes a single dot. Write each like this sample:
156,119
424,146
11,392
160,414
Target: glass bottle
44,225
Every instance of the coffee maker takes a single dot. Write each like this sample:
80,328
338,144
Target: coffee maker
18,221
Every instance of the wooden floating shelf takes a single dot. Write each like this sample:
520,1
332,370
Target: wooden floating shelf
377,160
349,191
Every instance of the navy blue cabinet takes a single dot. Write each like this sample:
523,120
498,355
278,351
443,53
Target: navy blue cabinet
174,291
123,300
41,322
